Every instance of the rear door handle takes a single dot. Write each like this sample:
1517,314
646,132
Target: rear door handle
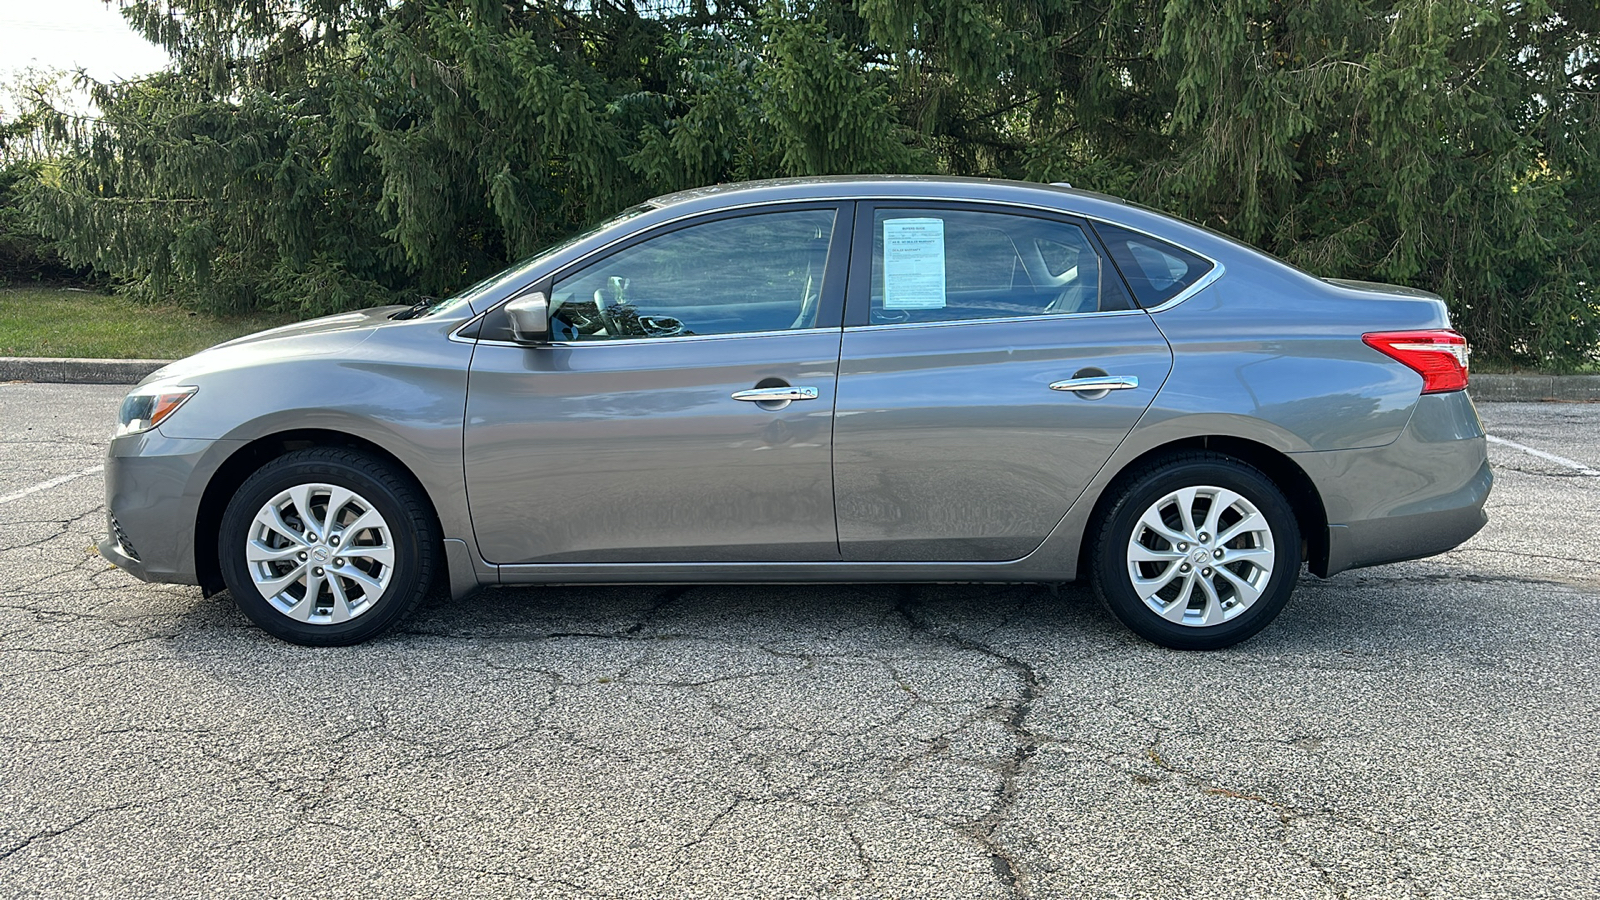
1097,383
758,395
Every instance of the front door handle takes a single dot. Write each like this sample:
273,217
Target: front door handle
1097,383
761,395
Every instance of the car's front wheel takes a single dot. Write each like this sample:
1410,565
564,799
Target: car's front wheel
1197,552
327,547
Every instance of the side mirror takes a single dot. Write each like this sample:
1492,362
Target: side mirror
530,318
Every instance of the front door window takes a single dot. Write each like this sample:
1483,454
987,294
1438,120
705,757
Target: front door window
745,275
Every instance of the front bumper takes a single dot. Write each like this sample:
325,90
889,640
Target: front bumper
1420,495
112,550
154,486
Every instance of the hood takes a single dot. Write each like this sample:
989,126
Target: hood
366,318
314,337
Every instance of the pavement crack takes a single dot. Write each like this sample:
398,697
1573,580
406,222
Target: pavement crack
1012,712
46,834
662,600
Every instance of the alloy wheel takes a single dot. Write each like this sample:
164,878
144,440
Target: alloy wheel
1201,556
320,554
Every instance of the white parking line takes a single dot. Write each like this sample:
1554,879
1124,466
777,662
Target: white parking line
47,485
1573,464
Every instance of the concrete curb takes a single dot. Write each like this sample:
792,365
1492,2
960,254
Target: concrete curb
59,370
1485,388
1525,388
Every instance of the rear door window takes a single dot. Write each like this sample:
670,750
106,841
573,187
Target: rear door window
949,265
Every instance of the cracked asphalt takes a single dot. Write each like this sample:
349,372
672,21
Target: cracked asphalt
1426,729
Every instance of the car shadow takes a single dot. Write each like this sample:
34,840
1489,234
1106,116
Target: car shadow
1352,612
755,612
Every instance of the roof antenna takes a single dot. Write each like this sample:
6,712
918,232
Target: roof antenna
1059,184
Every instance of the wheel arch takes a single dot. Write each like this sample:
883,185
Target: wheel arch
1304,499
244,461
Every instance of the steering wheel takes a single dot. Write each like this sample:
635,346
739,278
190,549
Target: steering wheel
617,287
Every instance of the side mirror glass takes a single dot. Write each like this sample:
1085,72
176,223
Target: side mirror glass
530,318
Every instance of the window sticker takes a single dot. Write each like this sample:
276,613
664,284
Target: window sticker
913,264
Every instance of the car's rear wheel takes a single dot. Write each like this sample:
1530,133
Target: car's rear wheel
327,547
1197,552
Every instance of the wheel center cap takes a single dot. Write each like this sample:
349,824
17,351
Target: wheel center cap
1199,556
320,554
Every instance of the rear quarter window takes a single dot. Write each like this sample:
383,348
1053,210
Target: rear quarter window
1155,270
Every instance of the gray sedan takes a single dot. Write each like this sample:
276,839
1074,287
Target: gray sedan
837,379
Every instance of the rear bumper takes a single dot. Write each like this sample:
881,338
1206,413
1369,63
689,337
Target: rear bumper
1420,495
1396,538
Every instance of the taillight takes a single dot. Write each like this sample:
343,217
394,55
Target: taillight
1440,356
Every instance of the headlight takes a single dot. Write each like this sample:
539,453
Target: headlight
147,407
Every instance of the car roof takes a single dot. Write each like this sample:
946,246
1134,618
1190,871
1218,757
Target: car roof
832,187
944,188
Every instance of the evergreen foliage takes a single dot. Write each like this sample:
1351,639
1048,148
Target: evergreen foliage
25,255
321,154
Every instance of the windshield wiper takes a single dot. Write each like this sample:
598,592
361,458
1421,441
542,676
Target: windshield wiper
416,309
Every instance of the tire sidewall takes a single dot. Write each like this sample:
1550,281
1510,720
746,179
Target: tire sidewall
294,469
1111,563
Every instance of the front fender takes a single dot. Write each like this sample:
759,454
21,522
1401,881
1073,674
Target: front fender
406,396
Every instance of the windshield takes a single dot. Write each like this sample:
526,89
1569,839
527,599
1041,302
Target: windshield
517,271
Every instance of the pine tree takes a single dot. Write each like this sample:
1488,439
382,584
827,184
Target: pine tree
322,154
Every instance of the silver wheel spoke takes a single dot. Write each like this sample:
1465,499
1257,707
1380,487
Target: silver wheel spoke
1152,520
1148,587
1185,500
300,496
272,587
1212,613
1141,553
1175,611
307,607
372,586
1252,522
259,552
362,522
1248,593
337,498
342,610
272,517
1260,558
1221,503
382,555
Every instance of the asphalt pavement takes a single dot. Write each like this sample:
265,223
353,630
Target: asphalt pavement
1421,729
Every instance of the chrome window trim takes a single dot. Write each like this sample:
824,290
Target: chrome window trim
1206,281
639,341
1217,269
583,260
881,200
891,326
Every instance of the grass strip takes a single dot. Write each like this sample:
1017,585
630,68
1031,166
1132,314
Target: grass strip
72,322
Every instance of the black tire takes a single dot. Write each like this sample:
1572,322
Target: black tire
406,529
1185,594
